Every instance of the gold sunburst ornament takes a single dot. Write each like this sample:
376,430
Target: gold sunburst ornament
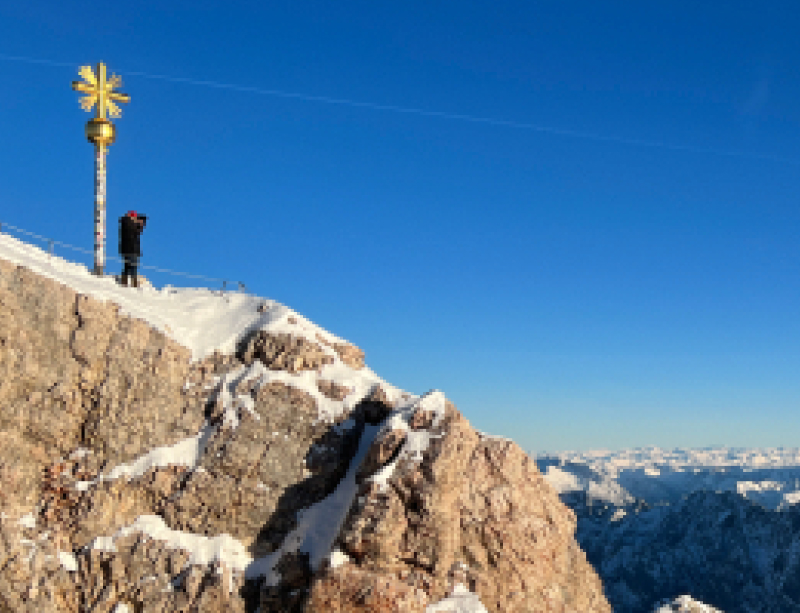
100,92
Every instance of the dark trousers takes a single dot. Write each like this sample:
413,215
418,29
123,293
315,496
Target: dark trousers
129,270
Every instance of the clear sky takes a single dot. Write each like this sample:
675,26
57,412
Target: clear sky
578,219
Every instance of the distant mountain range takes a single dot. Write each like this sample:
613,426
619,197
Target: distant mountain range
718,524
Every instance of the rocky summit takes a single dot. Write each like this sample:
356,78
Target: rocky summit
280,475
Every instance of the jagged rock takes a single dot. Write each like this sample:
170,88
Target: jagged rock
111,505
421,420
147,575
382,449
284,352
349,589
142,573
471,500
138,404
21,465
252,481
37,319
350,355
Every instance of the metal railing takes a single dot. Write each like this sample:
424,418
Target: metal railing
52,242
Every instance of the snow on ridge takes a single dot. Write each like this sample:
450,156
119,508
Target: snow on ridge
206,321
202,320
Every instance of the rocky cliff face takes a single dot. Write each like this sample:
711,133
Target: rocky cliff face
475,512
135,479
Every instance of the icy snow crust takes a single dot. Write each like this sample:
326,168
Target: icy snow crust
205,321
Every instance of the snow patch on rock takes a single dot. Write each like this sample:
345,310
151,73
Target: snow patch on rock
461,600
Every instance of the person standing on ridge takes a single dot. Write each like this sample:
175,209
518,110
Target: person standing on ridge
130,229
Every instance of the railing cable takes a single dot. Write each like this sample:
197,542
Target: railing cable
51,242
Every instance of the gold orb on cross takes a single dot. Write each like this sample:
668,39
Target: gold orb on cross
100,91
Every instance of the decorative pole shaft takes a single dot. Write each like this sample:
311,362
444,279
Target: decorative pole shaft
99,90
99,209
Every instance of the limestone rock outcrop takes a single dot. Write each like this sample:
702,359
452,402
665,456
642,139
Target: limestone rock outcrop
285,352
135,479
471,510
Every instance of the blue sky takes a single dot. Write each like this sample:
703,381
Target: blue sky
580,220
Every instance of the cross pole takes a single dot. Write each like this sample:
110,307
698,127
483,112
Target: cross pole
100,132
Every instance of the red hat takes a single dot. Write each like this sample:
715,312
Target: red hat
131,213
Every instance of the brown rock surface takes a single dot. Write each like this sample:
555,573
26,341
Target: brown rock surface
385,445
350,355
256,471
472,500
75,373
284,352
85,389
142,573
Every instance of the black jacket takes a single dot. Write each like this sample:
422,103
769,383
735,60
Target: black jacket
129,232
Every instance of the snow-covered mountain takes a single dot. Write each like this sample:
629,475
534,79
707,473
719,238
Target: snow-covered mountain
190,450
770,477
718,524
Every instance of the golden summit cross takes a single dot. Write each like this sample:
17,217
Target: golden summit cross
100,91
100,132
